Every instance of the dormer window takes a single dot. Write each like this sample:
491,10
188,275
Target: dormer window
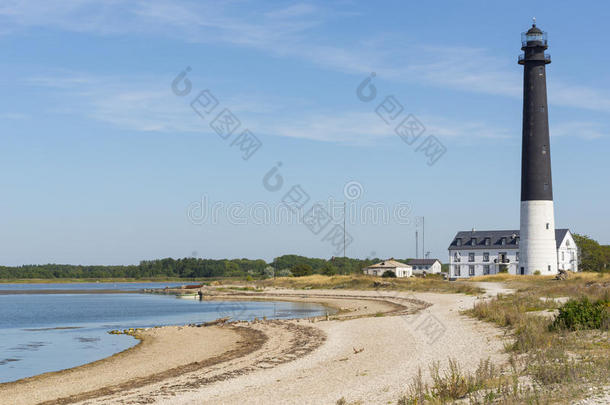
458,242
473,241
487,241
517,240
503,241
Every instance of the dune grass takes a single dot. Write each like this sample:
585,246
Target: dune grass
548,365
365,282
589,284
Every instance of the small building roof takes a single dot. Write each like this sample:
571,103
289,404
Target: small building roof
391,263
472,240
422,262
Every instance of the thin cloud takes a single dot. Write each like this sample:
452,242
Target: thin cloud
580,129
149,105
287,32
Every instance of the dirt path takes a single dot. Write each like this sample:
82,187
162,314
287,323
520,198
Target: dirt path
492,289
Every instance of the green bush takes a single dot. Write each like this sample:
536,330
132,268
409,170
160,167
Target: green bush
537,273
388,274
582,314
284,273
329,270
301,270
269,272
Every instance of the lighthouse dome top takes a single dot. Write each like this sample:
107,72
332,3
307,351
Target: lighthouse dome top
534,37
534,30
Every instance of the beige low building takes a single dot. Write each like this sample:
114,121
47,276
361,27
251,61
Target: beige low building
400,269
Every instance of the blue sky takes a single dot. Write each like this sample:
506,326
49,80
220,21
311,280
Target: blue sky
101,163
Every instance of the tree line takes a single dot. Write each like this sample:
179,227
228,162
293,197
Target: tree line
287,265
592,257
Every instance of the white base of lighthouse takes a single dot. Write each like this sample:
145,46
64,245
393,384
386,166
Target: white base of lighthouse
537,246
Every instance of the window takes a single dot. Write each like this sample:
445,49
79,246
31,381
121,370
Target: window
563,256
471,257
456,271
517,256
473,241
503,241
548,225
471,270
486,256
486,269
549,267
456,257
487,241
568,242
458,242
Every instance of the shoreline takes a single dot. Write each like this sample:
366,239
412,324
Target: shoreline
266,346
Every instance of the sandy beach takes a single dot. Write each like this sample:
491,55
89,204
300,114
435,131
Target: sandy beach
368,351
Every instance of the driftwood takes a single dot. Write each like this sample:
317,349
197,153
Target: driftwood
218,321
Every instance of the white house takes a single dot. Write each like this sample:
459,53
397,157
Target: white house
400,269
430,266
477,253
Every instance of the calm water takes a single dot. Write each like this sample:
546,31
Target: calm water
49,332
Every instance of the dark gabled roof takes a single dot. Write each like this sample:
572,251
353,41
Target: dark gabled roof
422,262
560,234
495,239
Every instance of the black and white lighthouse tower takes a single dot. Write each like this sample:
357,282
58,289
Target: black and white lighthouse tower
537,248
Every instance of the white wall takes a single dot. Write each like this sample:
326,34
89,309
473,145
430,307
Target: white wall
479,264
538,247
399,271
567,254
433,269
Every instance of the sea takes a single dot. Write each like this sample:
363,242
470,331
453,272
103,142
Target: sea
51,327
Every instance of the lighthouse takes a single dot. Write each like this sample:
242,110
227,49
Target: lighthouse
537,246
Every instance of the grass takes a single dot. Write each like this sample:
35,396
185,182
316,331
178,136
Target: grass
546,365
590,284
364,282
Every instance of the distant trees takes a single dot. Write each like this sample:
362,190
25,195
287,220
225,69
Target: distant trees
302,269
329,269
592,256
180,268
284,273
191,267
291,261
269,272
